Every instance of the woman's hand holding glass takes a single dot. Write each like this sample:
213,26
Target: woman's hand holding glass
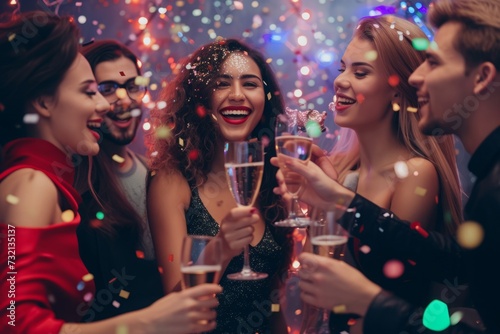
244,164
292,141
236,231
320,191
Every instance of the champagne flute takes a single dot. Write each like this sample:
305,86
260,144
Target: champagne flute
244,164
329,239
292,141
201,260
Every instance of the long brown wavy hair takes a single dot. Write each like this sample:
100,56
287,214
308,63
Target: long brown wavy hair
392,39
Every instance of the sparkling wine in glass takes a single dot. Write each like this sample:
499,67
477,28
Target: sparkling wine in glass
292,141
201,260
328,238
244,164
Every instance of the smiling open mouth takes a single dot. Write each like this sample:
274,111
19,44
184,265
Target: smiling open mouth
235,114
123,117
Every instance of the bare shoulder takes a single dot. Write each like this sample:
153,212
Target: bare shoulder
170,185
32,198
418,166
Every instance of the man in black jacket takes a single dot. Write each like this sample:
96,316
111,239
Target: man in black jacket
459,92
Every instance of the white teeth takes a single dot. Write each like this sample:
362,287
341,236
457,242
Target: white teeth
423,100
235,112
123,116
94,124
345,100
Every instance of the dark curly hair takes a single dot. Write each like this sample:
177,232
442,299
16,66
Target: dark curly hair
187,98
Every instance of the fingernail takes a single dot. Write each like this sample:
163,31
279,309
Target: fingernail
252,211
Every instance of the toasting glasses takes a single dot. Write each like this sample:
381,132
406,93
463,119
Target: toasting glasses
244,164
200,260
292,141
328,238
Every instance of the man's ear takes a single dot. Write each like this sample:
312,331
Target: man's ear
42,105
485,74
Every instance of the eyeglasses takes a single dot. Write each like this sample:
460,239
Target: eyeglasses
134,91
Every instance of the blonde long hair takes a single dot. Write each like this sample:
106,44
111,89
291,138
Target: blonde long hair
392,39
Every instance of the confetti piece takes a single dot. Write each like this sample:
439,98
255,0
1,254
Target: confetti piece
139,254
470,234
95,223
170,257
80,286
51,298
396,107
141,81
269,96
11,37
162,132
298,311
436,317
122,73
275,307
371,55
121,93
118,158
420,44
112,280
135,112
351,322
67,216
31,118
99,215
2,107
393,80
238,5
420,191
181,141
160,270
339,309
393,269
88,297
313,129
365,249
193,154
115,304
360,98
11,199
201,111
161,105
417,227
88,277
456,317
121,329
124,294
401,169
412,109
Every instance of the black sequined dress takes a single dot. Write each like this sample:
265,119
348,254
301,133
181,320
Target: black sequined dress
244,306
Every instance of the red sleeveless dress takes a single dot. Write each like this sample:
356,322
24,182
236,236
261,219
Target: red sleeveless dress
42,279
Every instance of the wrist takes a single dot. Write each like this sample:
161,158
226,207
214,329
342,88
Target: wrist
366,299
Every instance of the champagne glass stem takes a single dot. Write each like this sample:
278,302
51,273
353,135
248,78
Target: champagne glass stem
294,207
246,261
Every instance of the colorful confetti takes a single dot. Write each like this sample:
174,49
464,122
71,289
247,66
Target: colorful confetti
67,216
470,234
11,199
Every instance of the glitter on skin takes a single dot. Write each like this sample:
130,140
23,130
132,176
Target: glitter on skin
238,60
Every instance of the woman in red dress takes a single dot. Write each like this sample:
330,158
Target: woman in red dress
49,110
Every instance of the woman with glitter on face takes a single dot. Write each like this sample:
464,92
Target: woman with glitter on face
225,91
